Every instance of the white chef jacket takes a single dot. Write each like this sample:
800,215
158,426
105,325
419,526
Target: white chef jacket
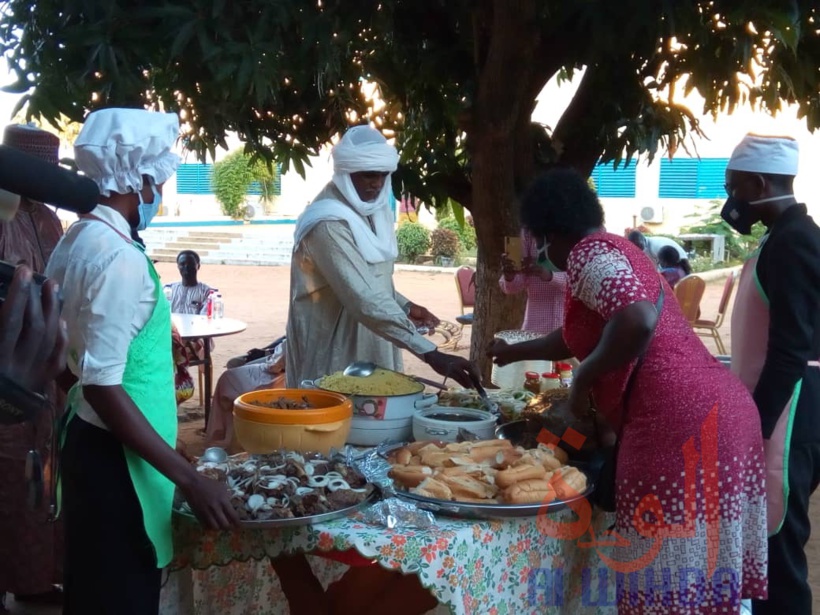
108,297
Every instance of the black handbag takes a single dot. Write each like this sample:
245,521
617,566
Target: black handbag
603,465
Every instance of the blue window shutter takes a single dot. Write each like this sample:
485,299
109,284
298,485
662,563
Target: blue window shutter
194,178
616,183
711,178
679,178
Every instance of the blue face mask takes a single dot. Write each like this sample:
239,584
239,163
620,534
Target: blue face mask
542,260
147,211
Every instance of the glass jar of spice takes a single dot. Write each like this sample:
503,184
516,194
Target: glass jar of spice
550,381
532,382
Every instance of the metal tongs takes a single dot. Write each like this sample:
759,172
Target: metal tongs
490,406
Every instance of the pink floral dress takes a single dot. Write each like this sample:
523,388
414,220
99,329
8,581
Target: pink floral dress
690,534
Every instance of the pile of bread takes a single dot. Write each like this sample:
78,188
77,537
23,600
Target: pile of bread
486,472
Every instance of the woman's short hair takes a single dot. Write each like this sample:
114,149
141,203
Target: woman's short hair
560,201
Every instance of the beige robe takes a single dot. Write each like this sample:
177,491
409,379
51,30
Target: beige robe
343,309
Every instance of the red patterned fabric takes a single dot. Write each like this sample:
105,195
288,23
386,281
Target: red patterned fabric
684,408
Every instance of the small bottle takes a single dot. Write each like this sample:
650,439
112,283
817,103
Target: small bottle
532,382
565,371
219,306
550,381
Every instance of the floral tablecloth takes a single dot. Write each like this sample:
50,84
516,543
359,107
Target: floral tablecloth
494,567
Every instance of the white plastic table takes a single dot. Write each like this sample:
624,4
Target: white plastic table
198,327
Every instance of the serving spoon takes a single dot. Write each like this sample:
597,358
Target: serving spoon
215,454
363,369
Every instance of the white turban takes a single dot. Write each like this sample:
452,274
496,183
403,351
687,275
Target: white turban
116,147
760,154
362,148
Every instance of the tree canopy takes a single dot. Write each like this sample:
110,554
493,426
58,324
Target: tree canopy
458,81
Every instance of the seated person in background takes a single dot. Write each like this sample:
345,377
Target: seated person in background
652,246
673,269
545,289
265,373
189,296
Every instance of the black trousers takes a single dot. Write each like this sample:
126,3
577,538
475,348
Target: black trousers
789,591
110,564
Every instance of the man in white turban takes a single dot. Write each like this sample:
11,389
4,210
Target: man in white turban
343,305
119,468
775,350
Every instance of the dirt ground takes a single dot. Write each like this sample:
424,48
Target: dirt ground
259,297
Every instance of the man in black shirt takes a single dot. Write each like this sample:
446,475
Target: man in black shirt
776,347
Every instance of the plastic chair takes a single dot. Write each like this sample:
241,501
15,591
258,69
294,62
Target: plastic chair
709,328
465,285
689,292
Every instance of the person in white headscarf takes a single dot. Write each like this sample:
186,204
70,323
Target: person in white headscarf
775,350
343,305
119,468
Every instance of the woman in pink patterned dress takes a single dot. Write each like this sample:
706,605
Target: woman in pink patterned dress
690,500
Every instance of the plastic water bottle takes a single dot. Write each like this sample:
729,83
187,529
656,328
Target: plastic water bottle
209,309
219,306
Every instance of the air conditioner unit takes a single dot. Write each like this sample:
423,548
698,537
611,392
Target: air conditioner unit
253,209
652,214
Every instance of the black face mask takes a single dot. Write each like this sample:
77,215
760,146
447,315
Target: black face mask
739,215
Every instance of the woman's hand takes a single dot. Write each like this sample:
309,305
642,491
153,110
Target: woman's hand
503,353
210,501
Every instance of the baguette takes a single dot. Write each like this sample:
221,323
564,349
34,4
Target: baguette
409,476
467,486
506,458
403,456
529,492
437,459
568,482
511,476
416,447
432,488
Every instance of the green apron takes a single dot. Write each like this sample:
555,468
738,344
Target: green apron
149,381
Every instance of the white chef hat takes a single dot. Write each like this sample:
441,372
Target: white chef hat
764,154
363,148
116,147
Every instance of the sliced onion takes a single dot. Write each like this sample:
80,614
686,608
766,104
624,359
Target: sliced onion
318,481
304,490
337,484
309,470
255,502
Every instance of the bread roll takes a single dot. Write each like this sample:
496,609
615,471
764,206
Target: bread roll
409,476
403,456
419,448
497,443
432,488
529,492
506,458
467,486
511,476
437,459
568,482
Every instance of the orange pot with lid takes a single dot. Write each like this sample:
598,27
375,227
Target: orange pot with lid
261,428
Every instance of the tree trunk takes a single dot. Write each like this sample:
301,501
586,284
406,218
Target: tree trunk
504,81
